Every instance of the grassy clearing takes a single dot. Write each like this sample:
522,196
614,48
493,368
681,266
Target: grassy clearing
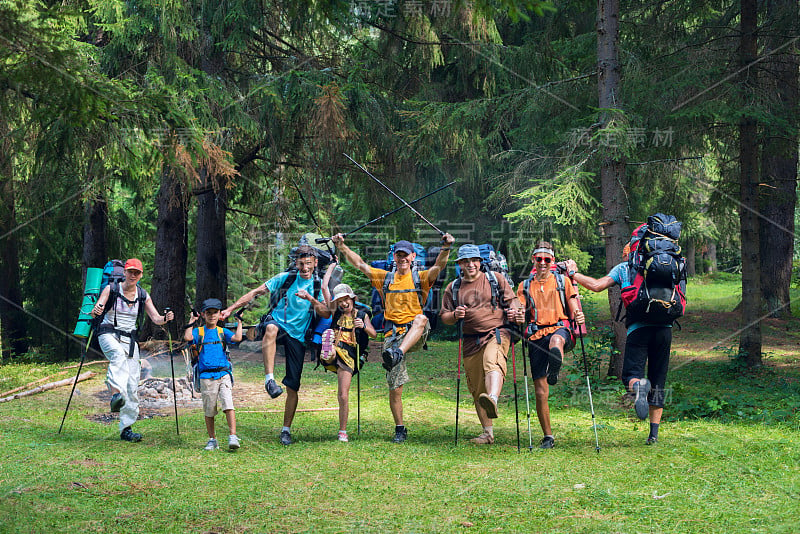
727,460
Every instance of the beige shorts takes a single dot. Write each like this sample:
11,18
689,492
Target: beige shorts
399,374
216,389
491,357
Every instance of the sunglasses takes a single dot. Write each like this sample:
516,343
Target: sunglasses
542,259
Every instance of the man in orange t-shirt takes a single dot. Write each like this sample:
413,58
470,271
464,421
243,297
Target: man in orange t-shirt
402,312
547,328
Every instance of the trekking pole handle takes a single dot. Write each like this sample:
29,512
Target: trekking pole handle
166,311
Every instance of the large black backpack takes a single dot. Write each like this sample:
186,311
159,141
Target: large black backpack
657,273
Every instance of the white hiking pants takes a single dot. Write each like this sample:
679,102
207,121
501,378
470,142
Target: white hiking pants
123,374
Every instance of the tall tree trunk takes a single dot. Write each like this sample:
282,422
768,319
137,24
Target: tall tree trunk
212,248
690,252
613,180
750,338
95,230
171,253
778,194
711,257
13,327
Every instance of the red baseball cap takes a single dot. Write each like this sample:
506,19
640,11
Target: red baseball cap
133,263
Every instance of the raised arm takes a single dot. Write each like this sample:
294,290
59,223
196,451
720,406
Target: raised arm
593,284
441,259
237,337
353,258
245,299
326,292
187,333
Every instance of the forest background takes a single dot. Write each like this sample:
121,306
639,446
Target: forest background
206,137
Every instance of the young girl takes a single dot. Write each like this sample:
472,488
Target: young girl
344,344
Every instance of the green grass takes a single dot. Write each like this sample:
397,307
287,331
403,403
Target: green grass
727,460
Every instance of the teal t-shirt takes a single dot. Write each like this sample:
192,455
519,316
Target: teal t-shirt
292,313
620,274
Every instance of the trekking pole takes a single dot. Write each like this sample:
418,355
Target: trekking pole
591,403
380,217
358,387
75,383
527,396
516,400
395,195
458,373
172,367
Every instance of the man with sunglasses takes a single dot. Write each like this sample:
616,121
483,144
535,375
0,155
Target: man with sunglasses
549,305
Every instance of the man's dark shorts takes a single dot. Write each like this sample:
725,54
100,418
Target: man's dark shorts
295,353
539,351
648,345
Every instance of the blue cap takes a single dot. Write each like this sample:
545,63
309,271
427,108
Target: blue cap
468,251
211,304
404,246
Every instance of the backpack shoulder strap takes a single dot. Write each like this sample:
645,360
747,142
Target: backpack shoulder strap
141,298
277,296
456,288
417,287
562,293
530,306
492,278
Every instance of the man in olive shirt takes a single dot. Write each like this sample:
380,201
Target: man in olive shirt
484,312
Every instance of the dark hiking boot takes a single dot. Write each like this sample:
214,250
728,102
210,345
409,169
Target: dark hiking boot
548,442
400,435
651,440
286,437
273,388
488,403
640,391
129,435
117,402
391,358
554,366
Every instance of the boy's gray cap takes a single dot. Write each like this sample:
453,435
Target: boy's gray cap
211,304
468,251
404,246
342,290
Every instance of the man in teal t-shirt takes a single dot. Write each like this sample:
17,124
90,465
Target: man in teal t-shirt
287,325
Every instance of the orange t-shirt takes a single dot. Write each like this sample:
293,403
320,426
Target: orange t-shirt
548,303
401,308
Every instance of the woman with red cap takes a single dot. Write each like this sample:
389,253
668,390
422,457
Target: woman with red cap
122,306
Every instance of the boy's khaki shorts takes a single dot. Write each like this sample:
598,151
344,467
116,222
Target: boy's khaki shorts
216,389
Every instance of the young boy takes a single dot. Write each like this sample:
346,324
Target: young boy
216,378
344,343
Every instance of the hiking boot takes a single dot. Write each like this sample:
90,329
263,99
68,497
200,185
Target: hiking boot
483,439
548,442
327,351
343,436
553,367
651,440
117,402
400,435
129,435
391,358
489,404
212,445
273,388
233,442
286,437
640,391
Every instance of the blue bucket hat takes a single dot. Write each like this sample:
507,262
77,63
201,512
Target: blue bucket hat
211,304
468,251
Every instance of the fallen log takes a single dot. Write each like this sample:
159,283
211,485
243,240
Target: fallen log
52,385
31,384
94,362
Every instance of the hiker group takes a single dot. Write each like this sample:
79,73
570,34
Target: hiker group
543,313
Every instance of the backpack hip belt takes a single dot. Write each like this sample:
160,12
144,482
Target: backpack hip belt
133,335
